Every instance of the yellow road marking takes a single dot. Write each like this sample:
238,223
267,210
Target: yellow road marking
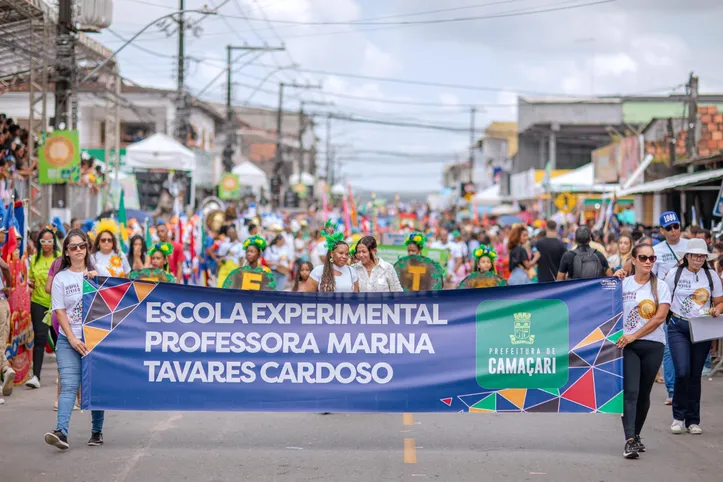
407,419
410,451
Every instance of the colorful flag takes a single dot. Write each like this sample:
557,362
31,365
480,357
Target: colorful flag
123,221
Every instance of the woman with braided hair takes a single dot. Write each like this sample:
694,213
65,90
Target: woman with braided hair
335,275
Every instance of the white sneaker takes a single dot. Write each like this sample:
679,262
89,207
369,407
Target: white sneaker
695,429
677,427
8,384
33,382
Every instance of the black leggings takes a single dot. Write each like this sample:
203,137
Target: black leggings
41,332
641,361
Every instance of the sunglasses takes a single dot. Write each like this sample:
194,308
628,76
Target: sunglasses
644,259
46,241
77,246
106,240
672,227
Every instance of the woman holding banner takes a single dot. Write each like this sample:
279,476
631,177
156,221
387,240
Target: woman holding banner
67,304
645,307
374,274
335,275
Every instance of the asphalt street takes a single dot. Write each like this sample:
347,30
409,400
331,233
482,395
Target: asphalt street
214,447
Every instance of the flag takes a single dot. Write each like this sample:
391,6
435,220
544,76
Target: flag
548,175
123,220
147,229
693,217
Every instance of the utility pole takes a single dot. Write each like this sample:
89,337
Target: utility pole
228,149
472,113
65,71
65,67
302,128
328,149
181,131
691,142
279,161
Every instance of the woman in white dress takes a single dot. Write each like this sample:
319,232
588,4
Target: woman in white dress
107,258
335,275
375,274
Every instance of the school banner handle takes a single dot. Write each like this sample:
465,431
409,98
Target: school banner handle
535,348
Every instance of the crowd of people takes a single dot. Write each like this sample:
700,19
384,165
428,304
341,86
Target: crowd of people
669,277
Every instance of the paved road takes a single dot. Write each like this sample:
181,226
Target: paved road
199,447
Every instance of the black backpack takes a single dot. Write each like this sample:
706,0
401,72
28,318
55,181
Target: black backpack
586,264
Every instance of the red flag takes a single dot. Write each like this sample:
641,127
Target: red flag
11,244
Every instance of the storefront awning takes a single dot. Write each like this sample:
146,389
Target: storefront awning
673,182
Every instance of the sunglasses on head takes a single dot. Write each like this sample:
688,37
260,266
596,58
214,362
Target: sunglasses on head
644,258
672,227
77,246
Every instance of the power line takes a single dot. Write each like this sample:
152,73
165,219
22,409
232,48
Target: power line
439,21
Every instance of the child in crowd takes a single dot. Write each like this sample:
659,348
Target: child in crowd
302,276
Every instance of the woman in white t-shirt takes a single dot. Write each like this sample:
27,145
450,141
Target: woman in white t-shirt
335,275
107,259
67,304
646,302
697,291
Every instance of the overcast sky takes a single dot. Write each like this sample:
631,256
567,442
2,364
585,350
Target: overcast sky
577,47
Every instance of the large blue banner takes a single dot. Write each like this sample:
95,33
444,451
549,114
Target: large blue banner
536,348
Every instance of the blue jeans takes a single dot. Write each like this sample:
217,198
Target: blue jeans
280,280
518,276
688,360
668,368
70,375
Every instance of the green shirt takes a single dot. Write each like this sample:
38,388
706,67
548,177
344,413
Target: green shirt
39,274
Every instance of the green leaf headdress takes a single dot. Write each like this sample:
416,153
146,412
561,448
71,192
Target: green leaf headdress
165,248
333,239
417,238
257,241
486,251
352,250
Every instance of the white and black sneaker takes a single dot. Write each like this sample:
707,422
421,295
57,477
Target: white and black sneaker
96,438
8,382
639,442
57,439
631,449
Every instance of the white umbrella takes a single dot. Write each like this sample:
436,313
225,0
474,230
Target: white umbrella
302,178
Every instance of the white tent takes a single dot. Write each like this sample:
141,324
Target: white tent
160,151
581,179
338,190
489,196
303,178
251,175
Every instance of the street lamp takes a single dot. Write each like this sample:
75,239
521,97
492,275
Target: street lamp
202,11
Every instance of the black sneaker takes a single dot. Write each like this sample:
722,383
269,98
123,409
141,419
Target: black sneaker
57,439
96,438
631,449
639,442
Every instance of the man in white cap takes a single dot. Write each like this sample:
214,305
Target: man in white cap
669,252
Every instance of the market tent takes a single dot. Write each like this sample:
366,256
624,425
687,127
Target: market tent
504,209
303,178
489,196
160,151
251,175
338,190
581,179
